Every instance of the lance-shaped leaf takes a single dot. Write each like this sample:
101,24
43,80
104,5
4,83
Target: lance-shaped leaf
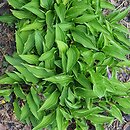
13,60
47,55
61,79
39,72
29,44
99,87
124,102
39,42
83,39
46,3
21,14
106,4
49,38
45,121
49,18
35,96
31,59
7,80
25,112
60,10
120,15
87,112
17,109
73,56
100,119
85,93
37,24
32,106
35,10
65,26
96,25
60,35
19,43
115,51
75,11
14,76
15,4
122,38
116,112
19,92
51,101
59,119
85,18
28,76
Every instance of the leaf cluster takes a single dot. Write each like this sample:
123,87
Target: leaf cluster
64,50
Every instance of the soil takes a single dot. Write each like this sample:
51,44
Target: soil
8,120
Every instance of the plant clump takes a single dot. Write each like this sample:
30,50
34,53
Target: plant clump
64,50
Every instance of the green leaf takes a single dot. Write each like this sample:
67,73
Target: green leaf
73,56
49,18
35,11
19,43
39,72
31,59
67,115
122,38
21,14
29,44
37,24
15,4
124,102
60,10
25,112
100,119
47,120
35,96
13,60
32,106
98,86
7,18
64,95
59,119
60,35
83,39
7,80
46,3
39,42
120,15
49,38
64,80
47,55
63,47
116,112
86,112
19,92
51,101
83,81
28,76
71,105
115,51
96,25
107,5
85,18
75,11
17,109
85,93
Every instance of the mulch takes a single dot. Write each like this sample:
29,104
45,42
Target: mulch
8,120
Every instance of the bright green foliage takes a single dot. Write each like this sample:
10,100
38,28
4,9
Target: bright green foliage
64,48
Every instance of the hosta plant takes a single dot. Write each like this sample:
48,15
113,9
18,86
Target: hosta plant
68,54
